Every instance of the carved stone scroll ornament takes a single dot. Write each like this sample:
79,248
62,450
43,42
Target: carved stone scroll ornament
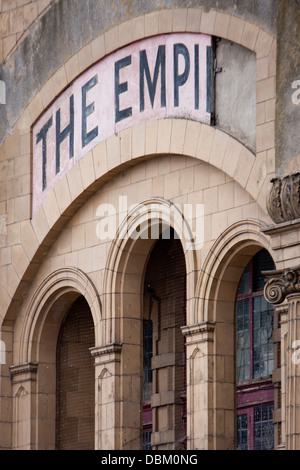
280,284
283,201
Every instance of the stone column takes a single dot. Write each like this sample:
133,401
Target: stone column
24,377
199,387
284,285
108,396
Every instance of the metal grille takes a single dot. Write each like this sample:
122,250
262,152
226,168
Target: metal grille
75,408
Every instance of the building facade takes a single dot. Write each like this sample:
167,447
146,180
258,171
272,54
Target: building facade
150,224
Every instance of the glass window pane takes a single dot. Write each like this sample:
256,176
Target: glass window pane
242,432
263,428
263,351
244,286
147,355
243,341
146,440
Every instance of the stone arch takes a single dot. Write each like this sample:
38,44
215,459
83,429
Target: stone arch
217,289
128,257
59,289
123,297
240,241
35,347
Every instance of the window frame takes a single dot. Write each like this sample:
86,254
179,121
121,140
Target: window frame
253,392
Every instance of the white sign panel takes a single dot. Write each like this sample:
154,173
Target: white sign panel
159,77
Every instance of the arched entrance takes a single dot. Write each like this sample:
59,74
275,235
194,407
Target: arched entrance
75,382
217,293
119,361
164,314
40,329
254,358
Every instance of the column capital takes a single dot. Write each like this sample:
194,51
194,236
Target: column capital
281,283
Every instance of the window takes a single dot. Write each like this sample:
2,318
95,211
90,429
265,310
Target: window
147,383
254,358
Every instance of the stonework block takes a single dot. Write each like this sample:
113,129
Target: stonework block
113,152
151,137
138,28
28,239
98,48
205,142
51,209
125,33
164,136
244,167
35,107
249,36
151,24
47,93
265,136
179,19
165,21
72,68
208,22
178,135
85,58
263,44
138,140
87,170
193,130
266,89
75,181
222,24
62,194
100,160
235,29
111,38
193,19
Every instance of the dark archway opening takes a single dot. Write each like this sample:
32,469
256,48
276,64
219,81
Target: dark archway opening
75,384
164,383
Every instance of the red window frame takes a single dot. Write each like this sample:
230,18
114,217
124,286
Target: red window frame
254,392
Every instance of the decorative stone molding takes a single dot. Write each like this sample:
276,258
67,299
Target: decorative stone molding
281,283
206,329
283,202
23,372
114,348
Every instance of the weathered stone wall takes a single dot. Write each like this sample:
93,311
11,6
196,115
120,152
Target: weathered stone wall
16,16
70,24
288,71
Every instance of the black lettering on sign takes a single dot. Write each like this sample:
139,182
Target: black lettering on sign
121,88
42,136
180,80
62,135
144,72
87,110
